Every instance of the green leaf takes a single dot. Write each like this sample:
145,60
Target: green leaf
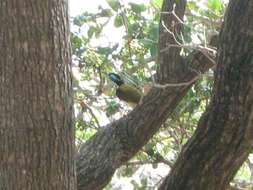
128,171
76,41
153,50
91,31
215,5
118,22
112,108
154,32
106,13
157,3
104,50
79,20
144,183
137,8
192,5
114,4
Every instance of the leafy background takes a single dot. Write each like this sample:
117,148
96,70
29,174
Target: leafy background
122,37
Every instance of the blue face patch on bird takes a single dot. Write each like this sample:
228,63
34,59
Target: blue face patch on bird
126,92
116,78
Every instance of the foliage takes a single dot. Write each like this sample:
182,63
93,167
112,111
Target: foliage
123,38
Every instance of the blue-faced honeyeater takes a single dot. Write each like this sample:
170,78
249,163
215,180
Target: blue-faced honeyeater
126,92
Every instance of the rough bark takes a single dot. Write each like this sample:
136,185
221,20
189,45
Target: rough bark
36,125
169,61
224,135
116,143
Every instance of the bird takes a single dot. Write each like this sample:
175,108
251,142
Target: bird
126,92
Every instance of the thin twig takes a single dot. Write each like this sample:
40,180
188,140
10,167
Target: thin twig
170,32
125,22
85,106
174,14
177,84
162,86
188,46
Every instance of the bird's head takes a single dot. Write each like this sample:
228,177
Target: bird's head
116,78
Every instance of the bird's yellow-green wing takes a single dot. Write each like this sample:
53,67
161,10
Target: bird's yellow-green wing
129,94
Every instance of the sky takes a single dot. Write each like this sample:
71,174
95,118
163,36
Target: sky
78,6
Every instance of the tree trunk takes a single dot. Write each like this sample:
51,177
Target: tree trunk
36,114
224,135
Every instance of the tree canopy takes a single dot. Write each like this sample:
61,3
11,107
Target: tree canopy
185,67
123,37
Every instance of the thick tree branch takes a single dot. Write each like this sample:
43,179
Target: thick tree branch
224,135
116,143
